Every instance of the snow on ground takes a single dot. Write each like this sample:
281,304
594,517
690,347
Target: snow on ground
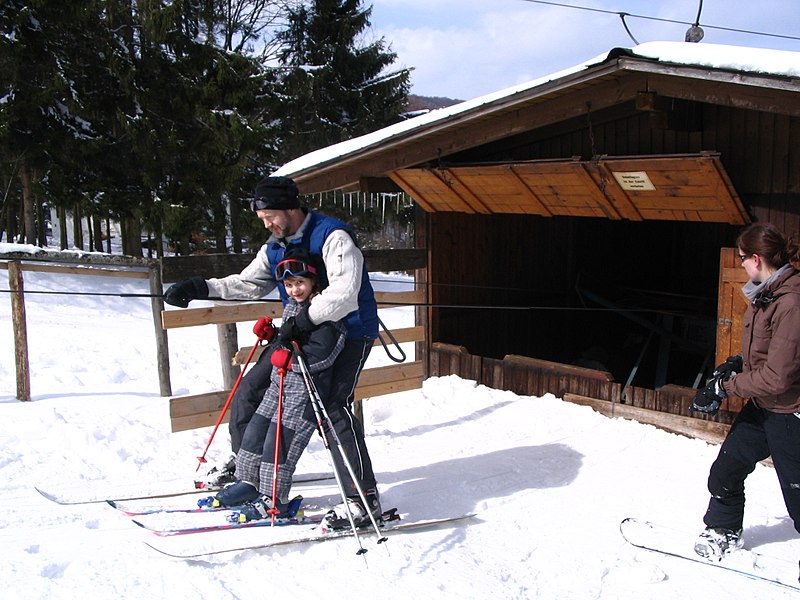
550,481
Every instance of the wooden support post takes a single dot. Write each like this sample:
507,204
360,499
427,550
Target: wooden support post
228,339
358,411
162,344
16,286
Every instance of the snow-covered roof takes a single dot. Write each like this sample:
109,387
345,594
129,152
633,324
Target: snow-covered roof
714,56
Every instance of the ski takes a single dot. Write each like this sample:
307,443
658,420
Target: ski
225,525
178,505
170,489
667,541
164,519
221,519
141,511
302,535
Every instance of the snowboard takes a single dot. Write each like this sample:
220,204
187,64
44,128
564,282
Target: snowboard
676,543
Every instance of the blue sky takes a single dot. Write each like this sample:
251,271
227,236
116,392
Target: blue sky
467,48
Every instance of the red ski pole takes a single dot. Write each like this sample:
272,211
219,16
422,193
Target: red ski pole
280,359
264,330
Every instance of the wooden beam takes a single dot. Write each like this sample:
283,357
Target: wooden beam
207,266
523,112
765,93
533,198
202,410
378,185
216,315
86,270
709,431
607,186
546,365
407,334
412,190
252,311
462,191
379,381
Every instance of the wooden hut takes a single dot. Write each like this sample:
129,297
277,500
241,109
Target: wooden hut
579,227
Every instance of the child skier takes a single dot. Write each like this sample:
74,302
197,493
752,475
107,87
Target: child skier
302,275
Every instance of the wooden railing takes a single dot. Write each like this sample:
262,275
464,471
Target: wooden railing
201,410
70,263
667,407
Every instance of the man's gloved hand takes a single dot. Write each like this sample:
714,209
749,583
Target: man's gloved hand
183,292
731,366
281,358
264,329
296,328
708,399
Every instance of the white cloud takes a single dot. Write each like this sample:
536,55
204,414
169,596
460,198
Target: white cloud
467,48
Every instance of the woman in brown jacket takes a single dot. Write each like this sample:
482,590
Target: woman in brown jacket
768,373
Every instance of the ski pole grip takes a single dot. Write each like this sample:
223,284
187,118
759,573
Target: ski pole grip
281,358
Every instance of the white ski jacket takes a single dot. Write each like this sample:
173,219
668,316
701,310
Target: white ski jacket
343,265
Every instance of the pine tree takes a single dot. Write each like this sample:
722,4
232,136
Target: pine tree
334,87
39,120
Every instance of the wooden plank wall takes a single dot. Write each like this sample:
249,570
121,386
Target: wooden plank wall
533,377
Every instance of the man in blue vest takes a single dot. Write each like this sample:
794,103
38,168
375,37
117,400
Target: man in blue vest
349,295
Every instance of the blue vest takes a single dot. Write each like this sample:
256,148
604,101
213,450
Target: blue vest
361,323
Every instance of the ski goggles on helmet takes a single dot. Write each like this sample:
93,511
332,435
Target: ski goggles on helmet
294,268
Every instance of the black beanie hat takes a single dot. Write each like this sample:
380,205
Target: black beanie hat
276,193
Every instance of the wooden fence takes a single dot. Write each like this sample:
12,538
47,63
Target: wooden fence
200,410
667,407
68,263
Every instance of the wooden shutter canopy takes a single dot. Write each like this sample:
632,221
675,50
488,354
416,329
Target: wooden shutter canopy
668,188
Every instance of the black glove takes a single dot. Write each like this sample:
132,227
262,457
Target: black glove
731,366
296,328
183,292
709,399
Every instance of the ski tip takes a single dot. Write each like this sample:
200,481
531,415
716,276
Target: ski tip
47,495
165,553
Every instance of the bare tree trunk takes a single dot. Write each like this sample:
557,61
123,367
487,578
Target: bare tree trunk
42,229
220,228
62,227
77,229
131,236
236,231
90,232
97,229
28,213
158,234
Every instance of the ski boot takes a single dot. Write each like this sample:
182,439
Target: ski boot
337,518
236,494
716,542
261,508
218,476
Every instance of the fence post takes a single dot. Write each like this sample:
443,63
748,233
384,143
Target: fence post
162,344
16,286
228,338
